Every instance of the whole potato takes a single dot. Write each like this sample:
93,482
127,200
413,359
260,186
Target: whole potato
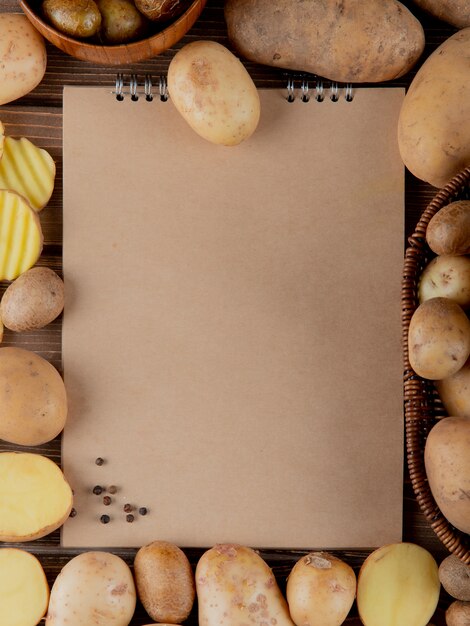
165,582
352,41
454,392
33,401
214,93
446,276
22,57
454,575
93,588
448,231
458,614
438,339
33,300
80,18
320,590
162,10
434,121
122,22
447,462
455,12
235,587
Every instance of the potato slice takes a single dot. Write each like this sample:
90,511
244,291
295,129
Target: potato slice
398,584
20,235
24,592
2,139
35,498
33,400
28,170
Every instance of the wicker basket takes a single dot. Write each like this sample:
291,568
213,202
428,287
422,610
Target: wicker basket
422,404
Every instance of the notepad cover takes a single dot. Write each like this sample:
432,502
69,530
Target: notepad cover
231,337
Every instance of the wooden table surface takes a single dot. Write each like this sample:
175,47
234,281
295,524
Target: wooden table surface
38,116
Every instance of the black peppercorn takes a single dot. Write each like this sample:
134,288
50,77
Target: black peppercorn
97,490
128,508
106,500
143,510
73,512
112,489
99,461
129,518
104,519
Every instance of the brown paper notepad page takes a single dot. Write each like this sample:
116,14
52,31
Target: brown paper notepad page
231,339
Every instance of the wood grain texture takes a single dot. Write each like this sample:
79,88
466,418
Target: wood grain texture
38,116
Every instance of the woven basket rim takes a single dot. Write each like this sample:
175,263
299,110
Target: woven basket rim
418,405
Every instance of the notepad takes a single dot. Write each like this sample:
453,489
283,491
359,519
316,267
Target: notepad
231,336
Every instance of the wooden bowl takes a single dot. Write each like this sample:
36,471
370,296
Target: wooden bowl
423,407
120,54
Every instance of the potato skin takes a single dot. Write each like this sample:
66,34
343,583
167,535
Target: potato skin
434,121
80,18
121,21
446,276
447,462
92,589
33,300
438,339
458,614
455,12
214,93
320,590
454,575
162,10
454,391
33,400
352,41
22,71
165,582
448,231
236,587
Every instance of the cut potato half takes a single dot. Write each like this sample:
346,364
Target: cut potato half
20,235
24,592
398,584
35,498
28,170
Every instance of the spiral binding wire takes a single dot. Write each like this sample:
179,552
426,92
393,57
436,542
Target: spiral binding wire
308,87
134,92
317,87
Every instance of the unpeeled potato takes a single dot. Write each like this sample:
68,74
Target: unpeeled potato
438,339
320,590
214,93
33,400
235,587
165,582
33,300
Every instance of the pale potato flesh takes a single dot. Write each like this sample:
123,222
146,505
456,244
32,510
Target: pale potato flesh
35,498
235,587
24,592
398,584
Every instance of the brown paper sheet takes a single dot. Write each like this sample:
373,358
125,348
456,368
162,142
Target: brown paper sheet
231,338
